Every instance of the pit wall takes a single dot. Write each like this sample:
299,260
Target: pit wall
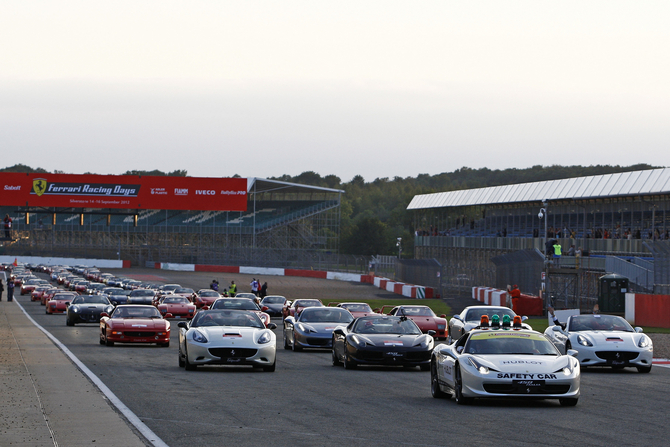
527,305
648,310
408,290
104,263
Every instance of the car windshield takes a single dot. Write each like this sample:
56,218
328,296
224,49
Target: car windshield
386,325
209,293
416,311
357,307
183,290
499,342
63,297
112,290
226,318
598,323
307,303
141,292
476,314
91,299
325,315
240,304
274,300
169,288
176,300
136,312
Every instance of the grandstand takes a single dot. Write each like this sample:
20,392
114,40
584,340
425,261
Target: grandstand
285,224
614,217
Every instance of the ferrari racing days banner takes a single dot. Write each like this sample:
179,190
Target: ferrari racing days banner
123,191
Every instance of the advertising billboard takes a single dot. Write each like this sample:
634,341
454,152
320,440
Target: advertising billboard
123,191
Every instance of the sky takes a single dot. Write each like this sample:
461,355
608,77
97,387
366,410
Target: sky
372,88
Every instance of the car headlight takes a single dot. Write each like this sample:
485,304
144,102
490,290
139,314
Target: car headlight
645,342
479,367
264,338
583,341
305,328
425,343
567,370
199,337
75,309
357,340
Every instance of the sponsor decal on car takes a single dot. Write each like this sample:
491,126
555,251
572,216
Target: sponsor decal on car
392,343
526,376
516,362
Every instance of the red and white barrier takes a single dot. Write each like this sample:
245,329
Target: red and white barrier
101,263
408,290
648,310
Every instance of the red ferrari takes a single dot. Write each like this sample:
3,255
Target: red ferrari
36,294
358,309
424,317
58,303
206,297
294,308
178,306
135,323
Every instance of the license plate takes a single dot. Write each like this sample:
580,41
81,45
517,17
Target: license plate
528,383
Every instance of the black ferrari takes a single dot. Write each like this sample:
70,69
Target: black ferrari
87,309
382,340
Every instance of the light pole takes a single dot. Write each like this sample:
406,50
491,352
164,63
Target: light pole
540,215
399,245
545,274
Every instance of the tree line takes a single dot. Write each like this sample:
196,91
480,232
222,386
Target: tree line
374,214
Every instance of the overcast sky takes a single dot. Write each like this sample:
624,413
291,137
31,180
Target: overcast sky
376,88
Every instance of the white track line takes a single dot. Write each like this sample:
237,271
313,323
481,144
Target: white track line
132,417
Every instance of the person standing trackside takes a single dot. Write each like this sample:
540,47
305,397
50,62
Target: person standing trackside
8,226
2,289
10,290
557,253
232,289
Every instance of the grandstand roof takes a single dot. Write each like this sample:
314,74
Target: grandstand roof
258,185
634,183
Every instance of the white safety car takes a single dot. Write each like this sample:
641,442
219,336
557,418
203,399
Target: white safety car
504,362
604,340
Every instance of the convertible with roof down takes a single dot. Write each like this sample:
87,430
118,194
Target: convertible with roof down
502,361
227,337
604,340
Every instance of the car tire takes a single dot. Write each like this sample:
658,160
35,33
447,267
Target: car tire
188,365
68,322
102,342
164,345
348,364
568,401
270,368
643,369
181,360
109,342
458,388
425,367
435,390
336,361
286,345
295,346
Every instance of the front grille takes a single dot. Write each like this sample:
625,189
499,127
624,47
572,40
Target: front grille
418,356
138,334
318,341
370,355
225,353
623,356
509,388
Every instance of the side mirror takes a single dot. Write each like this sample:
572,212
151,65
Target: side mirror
572,352
524,318
104,314
204,308
264,308
638,329
443,316
182,324
556,329
459,349
67,304
168,315
458,317
272,326
432,333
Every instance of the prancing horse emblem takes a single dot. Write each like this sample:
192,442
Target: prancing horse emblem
232,352
39,186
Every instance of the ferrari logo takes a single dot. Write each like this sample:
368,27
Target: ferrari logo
232,352
39,186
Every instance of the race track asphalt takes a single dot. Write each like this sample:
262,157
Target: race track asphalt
309,402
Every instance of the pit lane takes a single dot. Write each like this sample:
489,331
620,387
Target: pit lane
309,402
